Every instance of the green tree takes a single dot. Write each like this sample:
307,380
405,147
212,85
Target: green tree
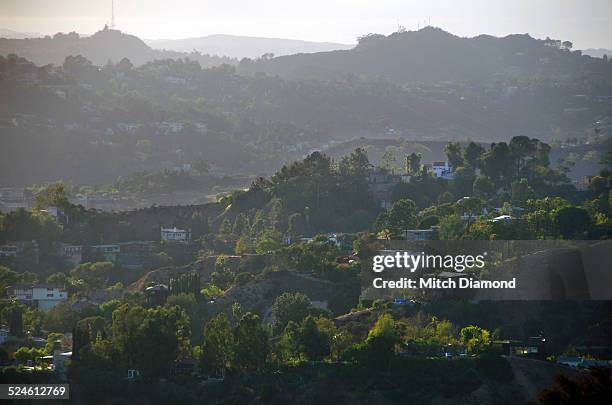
107,308
379,347
450,228
53,342
94,275
522,149
463,181
413,163
572,222
497,162
474,338
453,153
289,307
126,323
267,245
472,207
289,344
251,346
165,328
521,192
355,165
55,194
189,304
14,316
472,155
218,345
314,343
388,160
401,216
483,187
60,318
7,277
57,278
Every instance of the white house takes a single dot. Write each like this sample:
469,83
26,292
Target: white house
41,296
175,235
503,219
441,170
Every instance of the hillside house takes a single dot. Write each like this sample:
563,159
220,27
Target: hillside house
71,254
419,234
175,235
533,347
505,219
108,253
41,296
12,199
156,294
442,170
9,250
21,249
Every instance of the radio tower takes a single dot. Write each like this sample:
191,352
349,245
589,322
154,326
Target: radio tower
112,22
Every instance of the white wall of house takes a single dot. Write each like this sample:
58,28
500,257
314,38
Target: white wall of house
42,297
175,235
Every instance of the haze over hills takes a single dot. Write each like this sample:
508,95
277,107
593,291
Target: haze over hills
6,33
419,86
99,48
429,55
236,46
597,52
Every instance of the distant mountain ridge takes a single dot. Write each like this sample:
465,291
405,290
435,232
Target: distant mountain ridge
6,33
598,52
236,46
430,55
99,48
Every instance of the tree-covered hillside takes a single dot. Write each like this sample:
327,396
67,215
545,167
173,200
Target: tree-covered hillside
434,55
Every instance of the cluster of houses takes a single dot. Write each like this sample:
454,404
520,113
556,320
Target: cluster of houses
382,182
21,249
131,255
128,254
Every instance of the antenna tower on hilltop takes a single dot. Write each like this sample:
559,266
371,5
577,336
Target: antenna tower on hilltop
112,22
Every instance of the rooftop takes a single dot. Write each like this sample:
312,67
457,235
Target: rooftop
35,285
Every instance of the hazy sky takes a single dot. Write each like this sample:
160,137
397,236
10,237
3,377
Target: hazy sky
588,23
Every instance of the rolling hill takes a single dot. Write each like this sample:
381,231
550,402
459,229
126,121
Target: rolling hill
99,48
236,46
598,52
433,55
